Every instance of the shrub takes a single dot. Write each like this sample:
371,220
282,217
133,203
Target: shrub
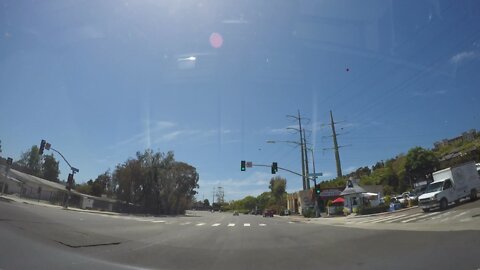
388,199
373,210
309,213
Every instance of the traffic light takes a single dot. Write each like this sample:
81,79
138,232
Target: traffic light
317,190
42,147
242,165
274,167
69,181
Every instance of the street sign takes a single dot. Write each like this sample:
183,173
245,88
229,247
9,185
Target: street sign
249,164
315,174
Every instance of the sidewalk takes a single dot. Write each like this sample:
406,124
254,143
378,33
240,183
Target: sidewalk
17,199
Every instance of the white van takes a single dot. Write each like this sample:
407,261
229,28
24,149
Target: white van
451,185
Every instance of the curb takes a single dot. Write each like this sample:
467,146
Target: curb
92,212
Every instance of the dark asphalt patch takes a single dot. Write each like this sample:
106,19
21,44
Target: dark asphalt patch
91,245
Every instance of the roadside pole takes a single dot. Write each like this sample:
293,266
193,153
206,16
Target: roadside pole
7,171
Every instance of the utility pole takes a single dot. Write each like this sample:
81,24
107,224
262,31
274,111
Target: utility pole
213,196
306,160
335,146
302,149
220,195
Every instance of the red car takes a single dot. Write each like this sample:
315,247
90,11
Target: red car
268,213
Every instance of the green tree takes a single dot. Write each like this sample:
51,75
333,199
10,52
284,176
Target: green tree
157,182
101,185
263,199
419,163
84,188
277,186
249,202
50,170
206,203
30,162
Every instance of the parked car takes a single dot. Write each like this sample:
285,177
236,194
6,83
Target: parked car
450,185
410,195
397,199
268,213
255,212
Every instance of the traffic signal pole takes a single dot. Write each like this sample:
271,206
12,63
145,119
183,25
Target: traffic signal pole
280,168
70,179
317,212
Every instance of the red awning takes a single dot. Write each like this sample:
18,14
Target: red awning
338,200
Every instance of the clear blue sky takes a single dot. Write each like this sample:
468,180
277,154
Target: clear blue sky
213,80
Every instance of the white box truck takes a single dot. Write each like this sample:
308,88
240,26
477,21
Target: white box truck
450,185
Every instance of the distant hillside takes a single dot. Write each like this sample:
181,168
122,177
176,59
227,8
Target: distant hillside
400,173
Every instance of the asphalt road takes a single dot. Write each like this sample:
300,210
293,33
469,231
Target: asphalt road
37,237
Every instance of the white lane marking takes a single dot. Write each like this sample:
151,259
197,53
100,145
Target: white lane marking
374,220
459,215
389,218
231,224
453,217
142,219
185,223
262,225
465,219
426,217
216,224
200,224
158,221
246,225
443,215
412,218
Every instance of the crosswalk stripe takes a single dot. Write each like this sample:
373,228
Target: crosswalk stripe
377,220
158,221
452,217
262,224
216,224
200,224
185,223
231,224
459,215
412,218
365,221
142,219
246,225
443,215
427,216
389,218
